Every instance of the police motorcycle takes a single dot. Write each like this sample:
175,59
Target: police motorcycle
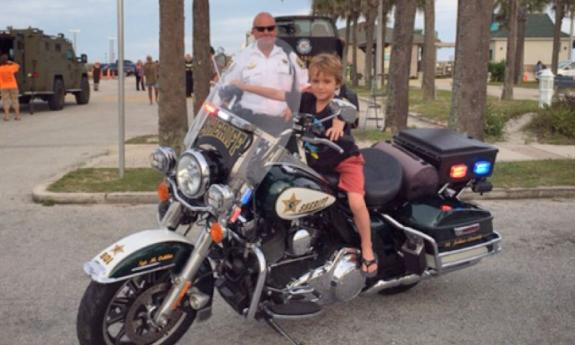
275,238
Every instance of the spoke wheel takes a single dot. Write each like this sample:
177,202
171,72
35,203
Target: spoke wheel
122,313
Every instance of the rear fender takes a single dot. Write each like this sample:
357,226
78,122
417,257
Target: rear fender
141,253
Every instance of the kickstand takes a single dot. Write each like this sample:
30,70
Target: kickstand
274,325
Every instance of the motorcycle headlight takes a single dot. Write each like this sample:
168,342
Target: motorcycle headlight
163,160
220,197
193,174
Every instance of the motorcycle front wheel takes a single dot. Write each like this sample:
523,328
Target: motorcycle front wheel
122,313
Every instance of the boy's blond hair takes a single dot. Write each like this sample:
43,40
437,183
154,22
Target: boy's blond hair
328,64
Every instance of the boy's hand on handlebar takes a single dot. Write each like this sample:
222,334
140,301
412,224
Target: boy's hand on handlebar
336,130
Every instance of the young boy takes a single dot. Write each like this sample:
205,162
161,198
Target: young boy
325,78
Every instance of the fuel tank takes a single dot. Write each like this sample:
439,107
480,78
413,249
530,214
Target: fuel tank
292,191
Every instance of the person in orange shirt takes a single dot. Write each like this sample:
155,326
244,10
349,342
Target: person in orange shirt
9,87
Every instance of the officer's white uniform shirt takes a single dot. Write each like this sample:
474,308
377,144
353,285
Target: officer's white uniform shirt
254,68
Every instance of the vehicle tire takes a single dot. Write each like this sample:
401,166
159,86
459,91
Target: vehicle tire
397,289
83,97
56,101
118,313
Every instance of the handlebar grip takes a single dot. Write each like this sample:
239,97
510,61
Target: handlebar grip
326,142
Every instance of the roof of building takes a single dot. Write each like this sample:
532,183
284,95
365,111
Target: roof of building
539,25
361,36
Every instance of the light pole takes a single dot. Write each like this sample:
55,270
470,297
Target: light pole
75,33
121,105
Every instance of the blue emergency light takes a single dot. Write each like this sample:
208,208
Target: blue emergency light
482,168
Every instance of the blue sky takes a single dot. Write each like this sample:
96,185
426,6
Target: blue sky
230,20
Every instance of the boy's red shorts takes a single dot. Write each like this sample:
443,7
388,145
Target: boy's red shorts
351,178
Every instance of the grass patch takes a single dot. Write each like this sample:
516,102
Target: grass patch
370,135
144,139
440,108
529,174
526,174
106,180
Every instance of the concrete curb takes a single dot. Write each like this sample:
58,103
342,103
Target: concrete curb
523,193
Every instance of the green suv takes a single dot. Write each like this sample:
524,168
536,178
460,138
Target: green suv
49,68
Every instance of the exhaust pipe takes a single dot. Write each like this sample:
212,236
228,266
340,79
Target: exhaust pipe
386,284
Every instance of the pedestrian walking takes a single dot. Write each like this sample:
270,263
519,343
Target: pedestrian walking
9,87
96,74
151,78
189,75
140,76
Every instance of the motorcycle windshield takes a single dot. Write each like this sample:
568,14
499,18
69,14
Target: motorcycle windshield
247,118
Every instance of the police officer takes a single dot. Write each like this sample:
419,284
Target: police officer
267,65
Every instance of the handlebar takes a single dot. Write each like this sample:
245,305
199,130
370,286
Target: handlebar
323,141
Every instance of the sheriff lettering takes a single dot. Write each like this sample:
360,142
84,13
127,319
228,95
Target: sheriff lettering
232,138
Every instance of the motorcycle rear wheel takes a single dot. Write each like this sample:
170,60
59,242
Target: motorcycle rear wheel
121,313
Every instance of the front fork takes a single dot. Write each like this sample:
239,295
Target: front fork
183,281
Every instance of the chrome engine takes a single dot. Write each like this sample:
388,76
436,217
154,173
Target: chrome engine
339,280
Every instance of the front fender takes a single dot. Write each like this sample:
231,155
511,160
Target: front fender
140,253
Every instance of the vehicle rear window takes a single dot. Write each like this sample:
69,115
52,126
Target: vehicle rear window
305,28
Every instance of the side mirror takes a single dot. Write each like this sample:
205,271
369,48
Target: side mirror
344,109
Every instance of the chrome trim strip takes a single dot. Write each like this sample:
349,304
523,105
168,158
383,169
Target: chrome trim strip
444,268
463,250
261,280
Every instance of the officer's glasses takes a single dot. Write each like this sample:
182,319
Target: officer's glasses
265,28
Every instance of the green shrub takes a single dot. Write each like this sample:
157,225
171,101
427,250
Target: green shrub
494,122
497,70
559,119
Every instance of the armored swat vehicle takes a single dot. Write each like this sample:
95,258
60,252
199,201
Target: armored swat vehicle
49,68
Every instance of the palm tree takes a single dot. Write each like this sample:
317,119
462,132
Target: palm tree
202,59
369,8
429,52
172,110
511,51
387,6
470,71
354,17
402,45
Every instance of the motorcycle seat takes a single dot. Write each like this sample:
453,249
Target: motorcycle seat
383,177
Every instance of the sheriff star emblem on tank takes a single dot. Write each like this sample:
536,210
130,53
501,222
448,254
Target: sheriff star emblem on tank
118,249
291,203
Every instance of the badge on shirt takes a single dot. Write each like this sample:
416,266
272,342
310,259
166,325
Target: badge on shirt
251,65
285,61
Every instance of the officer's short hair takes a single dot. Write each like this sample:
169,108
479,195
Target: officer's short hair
329,64
3,59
